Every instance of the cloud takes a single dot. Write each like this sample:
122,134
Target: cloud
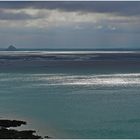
45,14
101,16
122,8
44,18
19,15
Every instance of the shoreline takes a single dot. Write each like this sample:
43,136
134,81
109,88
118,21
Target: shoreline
8,131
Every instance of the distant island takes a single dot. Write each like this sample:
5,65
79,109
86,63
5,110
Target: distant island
11,48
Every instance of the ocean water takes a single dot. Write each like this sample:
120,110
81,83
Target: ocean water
73,94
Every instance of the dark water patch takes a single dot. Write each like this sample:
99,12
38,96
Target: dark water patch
125,121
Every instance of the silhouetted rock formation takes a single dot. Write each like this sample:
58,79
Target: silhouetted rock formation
11,48
11,123
15,134
6,133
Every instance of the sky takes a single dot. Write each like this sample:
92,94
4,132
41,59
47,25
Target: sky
70,24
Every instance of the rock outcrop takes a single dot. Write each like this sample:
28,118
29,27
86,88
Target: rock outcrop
8,133
11,48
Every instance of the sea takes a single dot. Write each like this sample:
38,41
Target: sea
72,94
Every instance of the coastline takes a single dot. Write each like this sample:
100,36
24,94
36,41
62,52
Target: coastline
8,130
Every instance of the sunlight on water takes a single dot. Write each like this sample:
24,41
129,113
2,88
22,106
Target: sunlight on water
108,80
74,105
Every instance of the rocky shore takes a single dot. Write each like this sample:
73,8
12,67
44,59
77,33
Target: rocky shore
6,132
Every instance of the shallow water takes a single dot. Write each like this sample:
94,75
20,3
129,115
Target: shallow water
80,99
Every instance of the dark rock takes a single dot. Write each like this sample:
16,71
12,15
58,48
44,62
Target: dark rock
11,123
11,48
14,134
6,133
47,137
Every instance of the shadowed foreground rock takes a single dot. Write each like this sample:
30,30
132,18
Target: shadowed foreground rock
6,133
14,134
11,123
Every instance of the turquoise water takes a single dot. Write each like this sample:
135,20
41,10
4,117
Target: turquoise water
80,99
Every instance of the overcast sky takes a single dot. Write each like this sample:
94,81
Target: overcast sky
70,24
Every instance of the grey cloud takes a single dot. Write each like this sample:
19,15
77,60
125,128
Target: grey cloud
15,16
125,8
